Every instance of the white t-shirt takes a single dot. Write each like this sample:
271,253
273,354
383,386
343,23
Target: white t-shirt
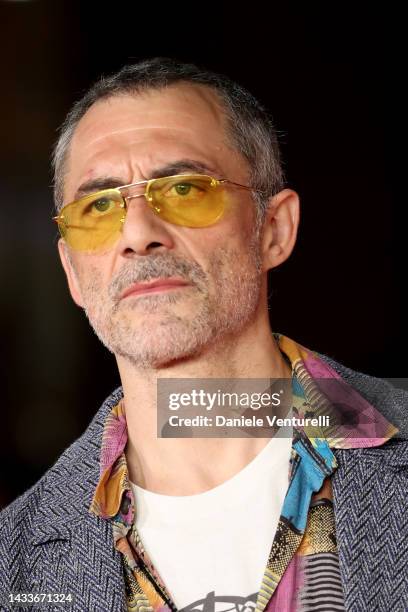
217,543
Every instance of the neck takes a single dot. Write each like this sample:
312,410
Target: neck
186,466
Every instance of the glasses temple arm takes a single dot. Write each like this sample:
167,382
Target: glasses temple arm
243,186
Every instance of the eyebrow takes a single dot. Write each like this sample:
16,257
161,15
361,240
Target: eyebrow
176,167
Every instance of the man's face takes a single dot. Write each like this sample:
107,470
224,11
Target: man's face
214,273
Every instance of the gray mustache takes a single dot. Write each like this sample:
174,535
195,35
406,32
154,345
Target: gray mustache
150,267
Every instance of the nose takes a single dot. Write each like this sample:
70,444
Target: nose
143,231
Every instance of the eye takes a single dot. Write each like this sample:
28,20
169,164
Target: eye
103,205
183,188
100,207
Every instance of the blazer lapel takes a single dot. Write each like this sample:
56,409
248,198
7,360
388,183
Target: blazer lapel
370,492
81,561
73,550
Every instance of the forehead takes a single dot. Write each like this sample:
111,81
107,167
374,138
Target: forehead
128,136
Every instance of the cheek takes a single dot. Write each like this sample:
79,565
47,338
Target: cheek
233,236
234,265
91,280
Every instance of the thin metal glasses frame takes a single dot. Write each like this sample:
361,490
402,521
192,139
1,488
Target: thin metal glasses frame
149,182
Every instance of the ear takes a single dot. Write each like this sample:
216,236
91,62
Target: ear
280,228
72,278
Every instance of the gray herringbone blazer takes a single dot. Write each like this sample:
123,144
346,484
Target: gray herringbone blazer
49,543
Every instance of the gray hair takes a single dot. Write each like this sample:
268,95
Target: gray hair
249,126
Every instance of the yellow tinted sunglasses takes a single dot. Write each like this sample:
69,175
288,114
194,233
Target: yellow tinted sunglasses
95,221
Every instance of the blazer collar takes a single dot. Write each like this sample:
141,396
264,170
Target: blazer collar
76,473
72,479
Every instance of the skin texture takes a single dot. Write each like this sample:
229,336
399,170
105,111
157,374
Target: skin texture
217,324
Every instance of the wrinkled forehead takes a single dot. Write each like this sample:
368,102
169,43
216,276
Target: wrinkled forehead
149,128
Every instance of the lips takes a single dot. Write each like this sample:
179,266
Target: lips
161,284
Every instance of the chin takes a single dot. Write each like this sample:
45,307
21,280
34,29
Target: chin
155,341
154,358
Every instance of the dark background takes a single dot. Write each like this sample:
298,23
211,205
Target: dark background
333,79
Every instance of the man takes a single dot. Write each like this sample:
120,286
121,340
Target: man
172,208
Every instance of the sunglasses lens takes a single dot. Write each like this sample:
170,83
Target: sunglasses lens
94,222
192,201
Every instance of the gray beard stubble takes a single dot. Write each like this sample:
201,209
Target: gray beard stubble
237,282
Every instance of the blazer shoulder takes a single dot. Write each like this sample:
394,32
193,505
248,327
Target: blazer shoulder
19,513
390,401
87,445
53,508
77,466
